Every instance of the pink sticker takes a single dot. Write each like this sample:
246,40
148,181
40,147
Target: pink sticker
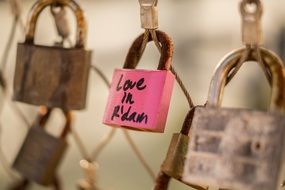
139,99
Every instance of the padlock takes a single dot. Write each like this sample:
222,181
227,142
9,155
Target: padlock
53,76
173,164
139,99
234,148
41,153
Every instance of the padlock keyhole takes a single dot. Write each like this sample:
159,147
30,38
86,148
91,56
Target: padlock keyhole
256,146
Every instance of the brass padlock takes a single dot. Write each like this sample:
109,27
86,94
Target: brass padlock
41,153
173,164
53,76
235,148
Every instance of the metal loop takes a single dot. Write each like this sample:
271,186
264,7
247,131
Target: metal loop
251,12
257,10
42,4
134,55
272,62
149,14
61,22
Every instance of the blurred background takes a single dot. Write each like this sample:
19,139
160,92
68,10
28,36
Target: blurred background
203,32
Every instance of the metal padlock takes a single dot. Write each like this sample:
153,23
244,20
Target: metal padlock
235,148
139,99
53,76
173,164
41,153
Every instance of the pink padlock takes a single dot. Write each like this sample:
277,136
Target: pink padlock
139,99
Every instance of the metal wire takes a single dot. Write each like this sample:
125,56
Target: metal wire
139,154
172,69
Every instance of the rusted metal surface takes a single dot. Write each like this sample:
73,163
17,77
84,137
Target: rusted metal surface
162,181
174,162
51,76
173,165
236,149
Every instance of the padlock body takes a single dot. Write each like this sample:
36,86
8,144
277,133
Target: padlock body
235,149
52,76
174,163
39,156
139,99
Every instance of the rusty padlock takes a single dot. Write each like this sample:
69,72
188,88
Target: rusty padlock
41,153
139,99
53,76
173,164
235,148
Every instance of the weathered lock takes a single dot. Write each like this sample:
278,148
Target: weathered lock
41,153
173,164
139,99
238,148
53,76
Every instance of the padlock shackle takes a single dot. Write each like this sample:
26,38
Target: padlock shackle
165,61
44,115
40,5
271,61
68,123
258,11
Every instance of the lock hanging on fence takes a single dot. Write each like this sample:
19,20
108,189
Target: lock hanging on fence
139,99
238,148
41,153
53,76
173,164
